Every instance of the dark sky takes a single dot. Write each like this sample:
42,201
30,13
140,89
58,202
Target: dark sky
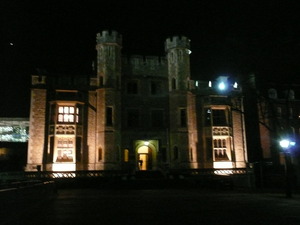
227,37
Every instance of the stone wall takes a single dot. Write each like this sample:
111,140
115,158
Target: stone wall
37,128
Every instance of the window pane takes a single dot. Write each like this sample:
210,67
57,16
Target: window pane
109,114
183,117
66,117
71,118
61,109
219,117
72,110
66,109
60,118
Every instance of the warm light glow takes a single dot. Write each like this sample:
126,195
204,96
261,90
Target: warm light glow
146,143
63,167
223,165
126,155
143,149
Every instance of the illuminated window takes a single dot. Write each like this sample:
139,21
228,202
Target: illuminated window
65,150
67,114
220,147
126,155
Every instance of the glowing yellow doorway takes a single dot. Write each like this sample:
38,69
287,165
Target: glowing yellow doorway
143,158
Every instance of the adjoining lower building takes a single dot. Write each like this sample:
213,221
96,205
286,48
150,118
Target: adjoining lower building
137,113
13,143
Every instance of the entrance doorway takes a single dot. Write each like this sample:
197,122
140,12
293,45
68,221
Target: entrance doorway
144,158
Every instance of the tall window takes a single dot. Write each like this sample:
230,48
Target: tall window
219,117
100,152
109,116
65,150
126,155
183,117
220,147
68,114
173,84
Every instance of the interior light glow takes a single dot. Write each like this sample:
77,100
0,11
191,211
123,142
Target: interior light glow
235,85
222,86
63,167
209,84
286,143
146,143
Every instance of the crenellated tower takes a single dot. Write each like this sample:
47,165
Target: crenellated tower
181,104
108,102
178,55
108,48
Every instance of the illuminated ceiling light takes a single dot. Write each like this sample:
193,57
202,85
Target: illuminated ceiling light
222,86
235,85
146,143
286,143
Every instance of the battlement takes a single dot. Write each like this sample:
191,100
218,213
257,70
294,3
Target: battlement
38,80
177,42
139,64
109,37
139,60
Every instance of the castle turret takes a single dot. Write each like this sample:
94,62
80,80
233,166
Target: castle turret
108,104
108,47
180,103
178,51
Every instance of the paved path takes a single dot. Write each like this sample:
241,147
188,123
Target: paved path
156,207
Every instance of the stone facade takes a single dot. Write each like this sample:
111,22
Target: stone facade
137,113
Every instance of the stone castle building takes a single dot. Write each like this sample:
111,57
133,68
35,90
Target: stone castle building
143,113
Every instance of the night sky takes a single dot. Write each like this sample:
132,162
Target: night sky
231,38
